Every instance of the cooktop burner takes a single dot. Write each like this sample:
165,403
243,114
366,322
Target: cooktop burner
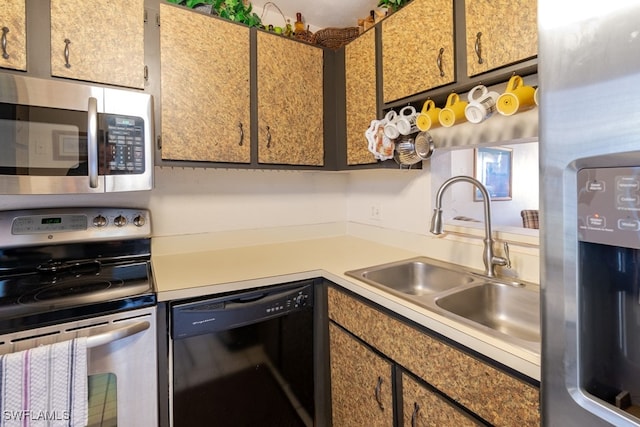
69,263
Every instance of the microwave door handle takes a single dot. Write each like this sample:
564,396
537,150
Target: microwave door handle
116,334
92,142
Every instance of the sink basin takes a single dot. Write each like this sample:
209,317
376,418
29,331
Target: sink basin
413,277
513,311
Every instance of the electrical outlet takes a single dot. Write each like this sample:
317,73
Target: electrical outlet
376,212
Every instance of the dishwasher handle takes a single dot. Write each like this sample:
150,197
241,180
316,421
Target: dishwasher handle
116,334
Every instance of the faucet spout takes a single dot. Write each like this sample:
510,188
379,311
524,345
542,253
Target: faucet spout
488,257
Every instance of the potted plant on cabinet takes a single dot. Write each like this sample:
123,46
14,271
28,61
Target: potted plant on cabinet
233,10
392,5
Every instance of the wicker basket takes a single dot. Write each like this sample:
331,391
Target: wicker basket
335,38
306,36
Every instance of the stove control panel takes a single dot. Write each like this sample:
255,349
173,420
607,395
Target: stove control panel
38,226
609,206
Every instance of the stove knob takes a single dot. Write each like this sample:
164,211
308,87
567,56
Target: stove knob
99,221
139,221
120,221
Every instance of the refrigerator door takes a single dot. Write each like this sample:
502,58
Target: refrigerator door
589,74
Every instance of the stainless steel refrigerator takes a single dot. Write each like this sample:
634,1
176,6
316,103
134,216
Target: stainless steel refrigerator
589,82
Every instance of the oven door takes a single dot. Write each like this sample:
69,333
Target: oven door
121,358
60,137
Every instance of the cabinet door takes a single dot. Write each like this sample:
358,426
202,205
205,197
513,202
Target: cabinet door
290,102
205,87
13,33
417,48
422,407
361,99
361,389
101,41
499,33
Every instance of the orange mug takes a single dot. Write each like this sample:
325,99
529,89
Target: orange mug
453,111
428,117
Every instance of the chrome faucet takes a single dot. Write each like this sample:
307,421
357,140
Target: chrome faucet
489,259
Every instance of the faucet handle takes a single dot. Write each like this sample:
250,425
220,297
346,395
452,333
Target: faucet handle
506,254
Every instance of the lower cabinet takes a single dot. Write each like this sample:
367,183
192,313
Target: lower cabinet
386,371
361,383
422,407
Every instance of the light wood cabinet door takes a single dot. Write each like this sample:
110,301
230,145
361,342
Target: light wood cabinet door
205,87
290,102
499,33
101,41
361,388
417,49
361,99
422,407
13,35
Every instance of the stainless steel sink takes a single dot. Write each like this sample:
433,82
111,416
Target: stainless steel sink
505,309
513,311
416,277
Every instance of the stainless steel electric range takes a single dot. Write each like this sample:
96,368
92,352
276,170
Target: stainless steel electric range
85,272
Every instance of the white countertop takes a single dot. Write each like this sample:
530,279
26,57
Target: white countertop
186,266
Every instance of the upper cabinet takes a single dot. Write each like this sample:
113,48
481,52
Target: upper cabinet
13,42
361,96
417,48
205,87
290,101
499,33
98,41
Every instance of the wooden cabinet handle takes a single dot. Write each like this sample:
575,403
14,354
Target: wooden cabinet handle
67,42
378,393
439,62
268,137
414,415
5,30
478,47
241,134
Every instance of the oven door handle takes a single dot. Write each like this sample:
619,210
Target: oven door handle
116,334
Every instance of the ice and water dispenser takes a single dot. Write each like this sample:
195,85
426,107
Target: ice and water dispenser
609,286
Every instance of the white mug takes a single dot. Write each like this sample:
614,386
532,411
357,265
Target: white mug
390,128
482,104
406,122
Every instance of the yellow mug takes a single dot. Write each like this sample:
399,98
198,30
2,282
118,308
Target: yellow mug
428,117
517,97
453,111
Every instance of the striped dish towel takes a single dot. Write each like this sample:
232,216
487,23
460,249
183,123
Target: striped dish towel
45,386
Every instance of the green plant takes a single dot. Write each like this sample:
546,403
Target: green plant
233,10
392,5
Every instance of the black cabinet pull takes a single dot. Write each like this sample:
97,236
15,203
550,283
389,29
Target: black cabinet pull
439,62
478,47
414,415
268,137
67,42
378,392
5,30
241,134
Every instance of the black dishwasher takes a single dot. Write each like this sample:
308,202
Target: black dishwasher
245,358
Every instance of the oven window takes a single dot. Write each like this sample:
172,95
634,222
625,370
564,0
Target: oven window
42,141
103,411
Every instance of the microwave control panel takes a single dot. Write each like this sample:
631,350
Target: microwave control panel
124,145
609,206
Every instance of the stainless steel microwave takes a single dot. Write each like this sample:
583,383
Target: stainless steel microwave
60,137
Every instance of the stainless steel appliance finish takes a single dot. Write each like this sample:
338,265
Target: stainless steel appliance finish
589,109
62,137
121,368
85,272
244,358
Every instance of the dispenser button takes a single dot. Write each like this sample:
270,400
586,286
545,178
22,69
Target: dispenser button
596,221
595,185
628,224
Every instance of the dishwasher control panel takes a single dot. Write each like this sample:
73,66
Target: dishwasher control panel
213,314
